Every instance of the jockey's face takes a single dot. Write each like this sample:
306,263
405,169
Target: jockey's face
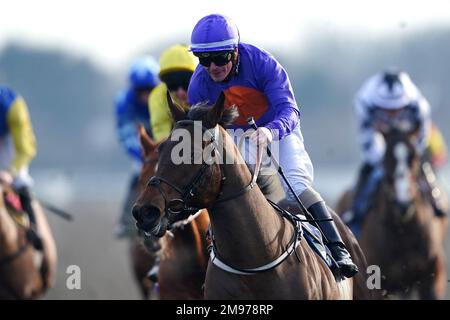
181,94
219,71
142,94
404,119
178,82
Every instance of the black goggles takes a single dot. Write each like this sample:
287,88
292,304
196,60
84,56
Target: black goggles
177,79
220,58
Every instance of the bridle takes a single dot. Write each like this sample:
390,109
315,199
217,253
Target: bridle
183,204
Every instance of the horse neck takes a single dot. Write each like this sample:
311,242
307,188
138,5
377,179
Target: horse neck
188,243
389,187
246,228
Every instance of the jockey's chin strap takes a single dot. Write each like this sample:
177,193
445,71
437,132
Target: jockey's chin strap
184,204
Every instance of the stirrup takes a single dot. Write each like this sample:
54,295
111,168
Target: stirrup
342,257
438,212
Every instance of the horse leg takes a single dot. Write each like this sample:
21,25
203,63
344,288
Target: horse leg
443,221
141,261
360,289
49,263
434,287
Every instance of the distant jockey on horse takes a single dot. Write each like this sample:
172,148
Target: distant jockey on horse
17,149
176,65
259,86
390,100
131,109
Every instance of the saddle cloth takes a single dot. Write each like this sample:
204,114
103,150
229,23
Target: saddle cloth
314,238
14,208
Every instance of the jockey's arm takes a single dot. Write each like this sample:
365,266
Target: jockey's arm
424,119
22,134
277,88
437,147
372,142
127,130
195,88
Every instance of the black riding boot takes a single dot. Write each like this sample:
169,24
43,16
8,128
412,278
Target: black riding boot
336,245
33,235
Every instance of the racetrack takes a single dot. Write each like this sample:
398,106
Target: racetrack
88,242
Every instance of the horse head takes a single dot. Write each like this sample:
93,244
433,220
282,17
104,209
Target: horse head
401,171
188,176
150,153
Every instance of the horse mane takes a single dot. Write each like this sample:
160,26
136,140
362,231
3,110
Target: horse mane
199,112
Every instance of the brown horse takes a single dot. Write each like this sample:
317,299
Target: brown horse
183,256
400,232
253,244
24,272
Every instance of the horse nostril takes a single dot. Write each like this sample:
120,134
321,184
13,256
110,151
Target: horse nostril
150,211
146,216
135,212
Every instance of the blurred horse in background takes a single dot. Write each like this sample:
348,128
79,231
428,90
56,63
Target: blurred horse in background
183,255
400,232
25,273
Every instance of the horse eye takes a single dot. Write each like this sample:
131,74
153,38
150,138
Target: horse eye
176,206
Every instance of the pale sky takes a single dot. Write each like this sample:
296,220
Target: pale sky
111,32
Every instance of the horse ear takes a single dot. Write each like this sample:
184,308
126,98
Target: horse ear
177,111
214,115
147,143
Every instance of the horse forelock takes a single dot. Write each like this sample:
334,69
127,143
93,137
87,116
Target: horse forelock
199,112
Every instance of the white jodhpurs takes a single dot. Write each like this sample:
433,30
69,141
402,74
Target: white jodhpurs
7,152
296,164
291,155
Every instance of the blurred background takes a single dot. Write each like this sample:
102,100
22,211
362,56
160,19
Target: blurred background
70,58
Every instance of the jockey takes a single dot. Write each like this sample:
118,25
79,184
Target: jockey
259,86
132,109
176,65
385,100
17,149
